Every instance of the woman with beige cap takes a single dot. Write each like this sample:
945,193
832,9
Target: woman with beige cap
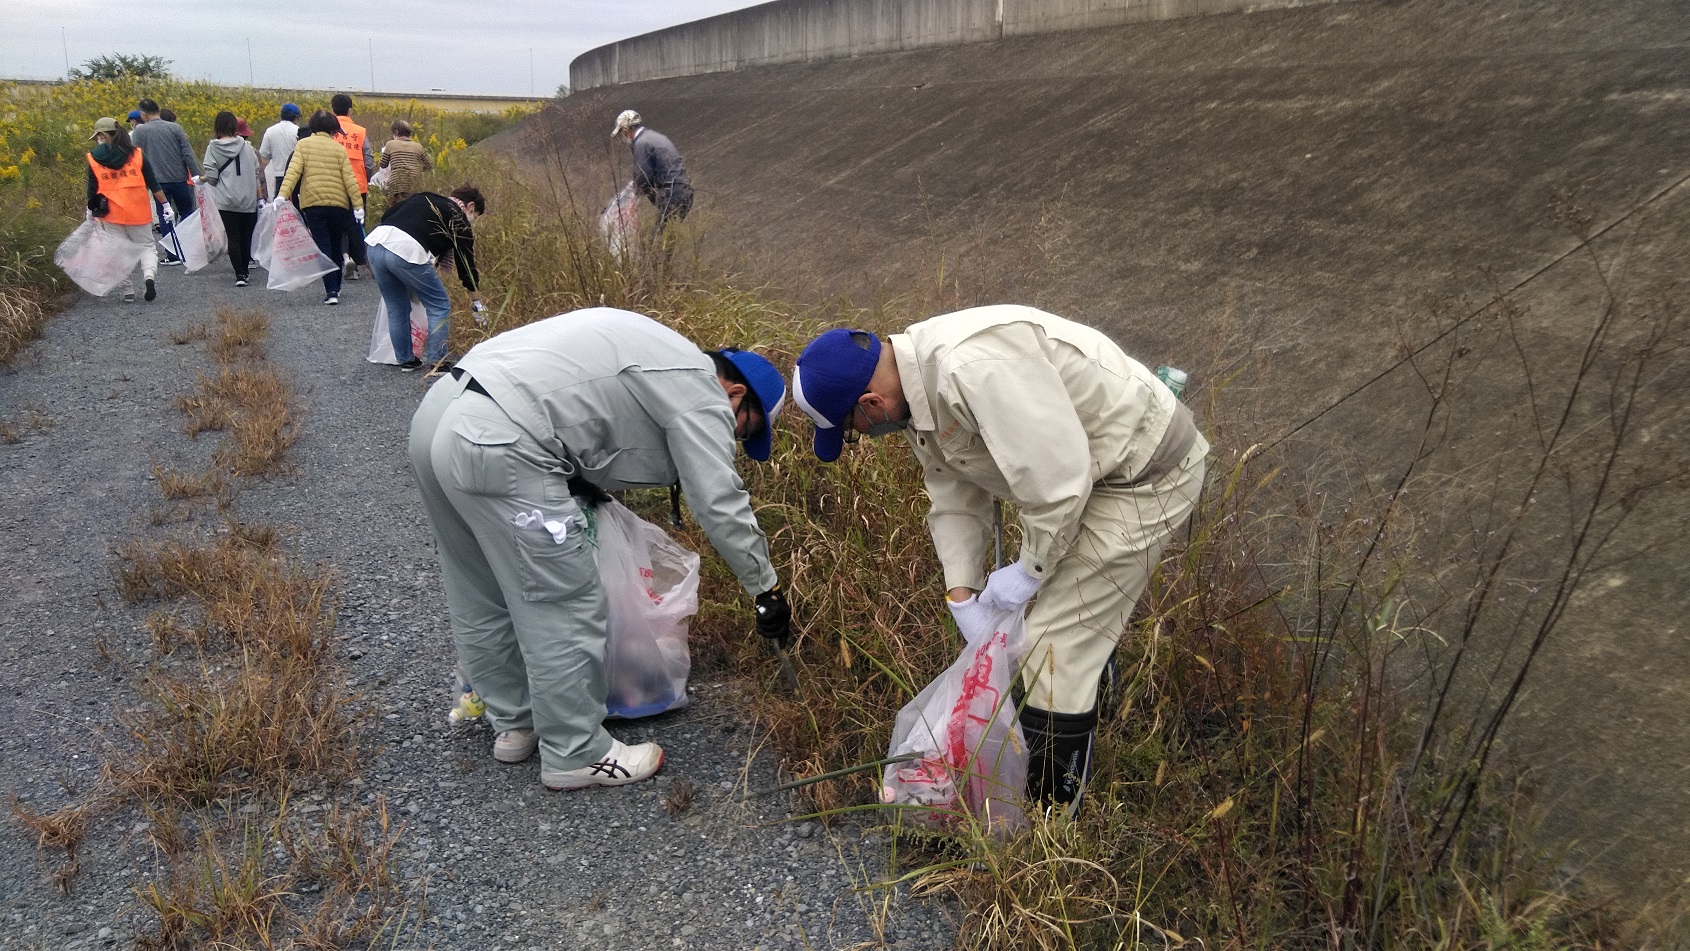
120,188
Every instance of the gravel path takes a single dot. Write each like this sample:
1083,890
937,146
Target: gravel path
506,864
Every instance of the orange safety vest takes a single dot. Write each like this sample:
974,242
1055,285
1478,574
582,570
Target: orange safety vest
125,190
352,139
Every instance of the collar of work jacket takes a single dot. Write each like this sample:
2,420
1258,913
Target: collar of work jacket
1012,402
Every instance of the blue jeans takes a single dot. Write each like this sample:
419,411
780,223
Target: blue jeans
329,224
399,280
181,196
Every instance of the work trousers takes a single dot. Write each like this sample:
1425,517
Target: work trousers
528,613
142,236
1088,598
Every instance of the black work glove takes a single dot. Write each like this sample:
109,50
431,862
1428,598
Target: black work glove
588,492
774,619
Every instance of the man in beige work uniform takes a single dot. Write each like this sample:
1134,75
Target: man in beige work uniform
1103,461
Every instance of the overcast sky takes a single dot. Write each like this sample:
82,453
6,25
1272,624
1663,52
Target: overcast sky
457,46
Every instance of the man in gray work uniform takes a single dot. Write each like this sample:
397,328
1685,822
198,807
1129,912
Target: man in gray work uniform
595,400
659,173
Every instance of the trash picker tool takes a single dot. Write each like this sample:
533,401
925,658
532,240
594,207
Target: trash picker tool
834,774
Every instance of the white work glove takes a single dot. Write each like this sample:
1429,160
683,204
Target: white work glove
973,619
358,214
1009,588
167,214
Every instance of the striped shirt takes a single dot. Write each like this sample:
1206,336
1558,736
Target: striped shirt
406,161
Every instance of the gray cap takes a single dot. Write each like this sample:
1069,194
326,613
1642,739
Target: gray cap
629,119
104,124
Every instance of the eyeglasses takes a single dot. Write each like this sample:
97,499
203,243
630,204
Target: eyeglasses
849,424
749,421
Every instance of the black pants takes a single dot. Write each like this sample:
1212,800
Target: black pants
239,226
355,237
330,226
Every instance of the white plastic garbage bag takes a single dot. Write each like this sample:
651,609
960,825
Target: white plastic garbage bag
651,593
264,233
294,258
98,257
200,235
963,729
381,341
620,221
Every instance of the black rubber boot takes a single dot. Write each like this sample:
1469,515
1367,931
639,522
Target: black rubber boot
1059,755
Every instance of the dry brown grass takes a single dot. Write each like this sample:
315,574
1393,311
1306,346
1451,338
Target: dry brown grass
266,422
240,336
205,414
177,485
24,310
184,337
28,420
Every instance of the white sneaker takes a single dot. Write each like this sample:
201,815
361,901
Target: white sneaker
622,765
514,746
331,300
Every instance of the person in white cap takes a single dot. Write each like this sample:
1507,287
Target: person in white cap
659,173
1101,458
528,428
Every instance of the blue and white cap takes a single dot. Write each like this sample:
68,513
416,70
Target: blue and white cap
770,389
833,372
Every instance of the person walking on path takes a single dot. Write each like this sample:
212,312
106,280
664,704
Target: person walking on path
356,140
120,180
276,148
322,175
1101,458
659,173
231,169
406,162
591,401
172,157
404,250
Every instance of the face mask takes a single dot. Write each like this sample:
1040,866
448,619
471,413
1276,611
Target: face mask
888,426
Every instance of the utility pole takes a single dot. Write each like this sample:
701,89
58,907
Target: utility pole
372,65
63,38
250,80
531,70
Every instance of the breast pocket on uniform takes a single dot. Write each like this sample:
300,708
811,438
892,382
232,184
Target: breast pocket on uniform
481,463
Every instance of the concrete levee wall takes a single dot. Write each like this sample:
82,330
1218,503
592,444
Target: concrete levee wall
790,31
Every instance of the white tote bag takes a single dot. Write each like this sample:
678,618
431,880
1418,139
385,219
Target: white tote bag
294,258
98,257
381,340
